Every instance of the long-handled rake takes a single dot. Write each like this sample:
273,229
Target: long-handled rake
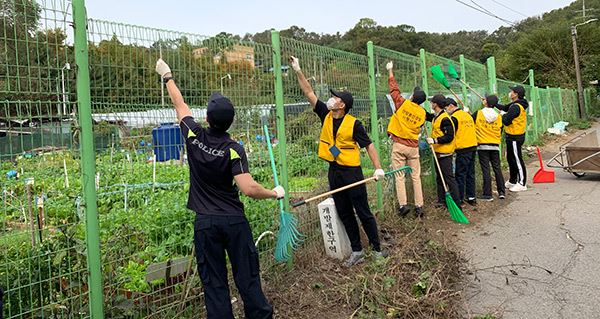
288,236
406,169
438,75
453,74
455,213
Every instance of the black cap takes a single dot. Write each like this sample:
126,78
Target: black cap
440,100
492,100
519,89
219,112
346,98
418,96
451,101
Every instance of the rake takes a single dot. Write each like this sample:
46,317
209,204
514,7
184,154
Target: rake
439,76
455,213
288,237
406,169
453,74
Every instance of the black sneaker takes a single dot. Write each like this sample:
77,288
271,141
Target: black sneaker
486,198
502,196
419,212
402,211
471,201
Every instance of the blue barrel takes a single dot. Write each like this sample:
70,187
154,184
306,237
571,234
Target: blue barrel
167,141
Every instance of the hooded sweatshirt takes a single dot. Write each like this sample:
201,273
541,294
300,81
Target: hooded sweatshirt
512,111
490,116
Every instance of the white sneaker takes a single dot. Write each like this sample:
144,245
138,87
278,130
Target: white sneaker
355,258
518,188
508,185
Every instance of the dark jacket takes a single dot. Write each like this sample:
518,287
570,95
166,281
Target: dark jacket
512,111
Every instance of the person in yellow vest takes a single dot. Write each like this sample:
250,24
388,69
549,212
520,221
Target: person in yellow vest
403,129
342,137
515,126
466,147
488,128
443,127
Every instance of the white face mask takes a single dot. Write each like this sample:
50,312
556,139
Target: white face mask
509,96
331,103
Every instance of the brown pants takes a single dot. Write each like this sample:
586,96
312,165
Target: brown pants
403,155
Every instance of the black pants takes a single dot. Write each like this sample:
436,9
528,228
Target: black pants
1,303
516,165
353,200
465,174
485,158
213,236
446,167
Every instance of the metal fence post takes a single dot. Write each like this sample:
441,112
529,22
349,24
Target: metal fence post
374,115
280,113
424,83
536,104
88,161
463,77
491,68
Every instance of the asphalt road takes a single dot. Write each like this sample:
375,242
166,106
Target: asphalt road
539,256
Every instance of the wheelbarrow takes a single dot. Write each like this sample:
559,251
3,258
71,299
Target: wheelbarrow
580,155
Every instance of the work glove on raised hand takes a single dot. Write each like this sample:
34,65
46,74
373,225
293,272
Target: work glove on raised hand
279,192
295,63
379,174
389,66
430,140
162,68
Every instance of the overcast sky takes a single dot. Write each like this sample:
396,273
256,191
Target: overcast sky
241,17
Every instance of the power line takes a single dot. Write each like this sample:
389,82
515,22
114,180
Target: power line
486,12
509,8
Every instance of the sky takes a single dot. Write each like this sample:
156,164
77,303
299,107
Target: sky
241,17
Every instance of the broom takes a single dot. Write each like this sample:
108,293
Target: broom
455,213
439,76
288,235
453,74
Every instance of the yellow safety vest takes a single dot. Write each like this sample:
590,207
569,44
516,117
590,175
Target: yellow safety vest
437,132
519,124
488,133
349,150
465,135
407,121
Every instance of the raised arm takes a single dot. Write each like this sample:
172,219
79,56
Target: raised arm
181,108
394,89
303,82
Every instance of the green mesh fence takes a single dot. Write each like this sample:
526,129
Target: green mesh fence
141,175
476,76
146,229
42,245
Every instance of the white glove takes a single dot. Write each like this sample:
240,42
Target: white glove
279,192
379,174
389,66
430,140
162,68
502,113
295,63
466,109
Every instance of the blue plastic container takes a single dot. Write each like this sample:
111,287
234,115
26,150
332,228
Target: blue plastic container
167,141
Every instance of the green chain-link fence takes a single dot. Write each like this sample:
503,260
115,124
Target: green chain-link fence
140,245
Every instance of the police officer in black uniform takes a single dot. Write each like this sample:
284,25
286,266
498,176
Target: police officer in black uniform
216,161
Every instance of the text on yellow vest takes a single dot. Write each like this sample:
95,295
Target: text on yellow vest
407,121
436,132
465,136
488,133
349,150
519,123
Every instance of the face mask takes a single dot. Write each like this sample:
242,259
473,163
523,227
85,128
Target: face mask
509,96
331,103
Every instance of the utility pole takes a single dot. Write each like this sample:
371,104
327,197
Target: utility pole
584,10
578,69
